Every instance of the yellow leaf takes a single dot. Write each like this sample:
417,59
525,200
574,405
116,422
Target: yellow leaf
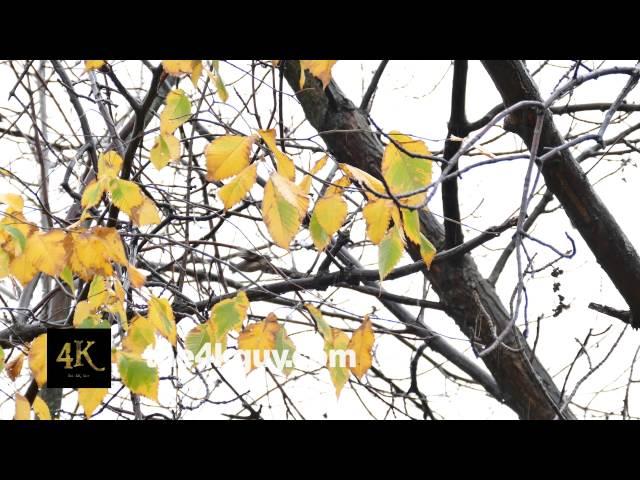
284,205
93,193
320,69
236,189
364,178
94,64
41,409
337,358
109,165
146,213
23,269
305,183
141,334
90,398
93,251
23,408
14,367
175,113
98,293
377,214
405,173
220,87
227,156
161,317
427,250
330,211
166,149
14,201
49,252
113,243
361,343
84,315
125,194
257,340
38,359
286,167
389,251
136,276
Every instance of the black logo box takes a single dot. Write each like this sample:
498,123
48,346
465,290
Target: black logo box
81,374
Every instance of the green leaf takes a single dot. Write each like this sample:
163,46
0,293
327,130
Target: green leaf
1,359
197,338
139,377
389,251
286,349
323,327
67,277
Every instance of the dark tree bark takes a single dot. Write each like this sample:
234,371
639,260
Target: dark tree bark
567,181
468,298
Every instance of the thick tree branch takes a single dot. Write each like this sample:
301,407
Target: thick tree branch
566,180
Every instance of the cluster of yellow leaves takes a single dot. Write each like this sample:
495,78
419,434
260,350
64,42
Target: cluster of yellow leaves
404,174
194,69
105,295
25,250
335,340
125,195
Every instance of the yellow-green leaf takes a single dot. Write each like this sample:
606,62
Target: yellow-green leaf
285,165
361,343
227,156
335,348
97,295
38,359
176,111
227,315
285,349
330,212
139,377
93,193
90,398
165,149
197,338
427,250
221,89
284,205
125,195
403,172
161,316
323,327
389,251
1,359
236,189
411,224
140,335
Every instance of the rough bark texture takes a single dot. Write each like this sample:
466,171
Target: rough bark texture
469,299
567,181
